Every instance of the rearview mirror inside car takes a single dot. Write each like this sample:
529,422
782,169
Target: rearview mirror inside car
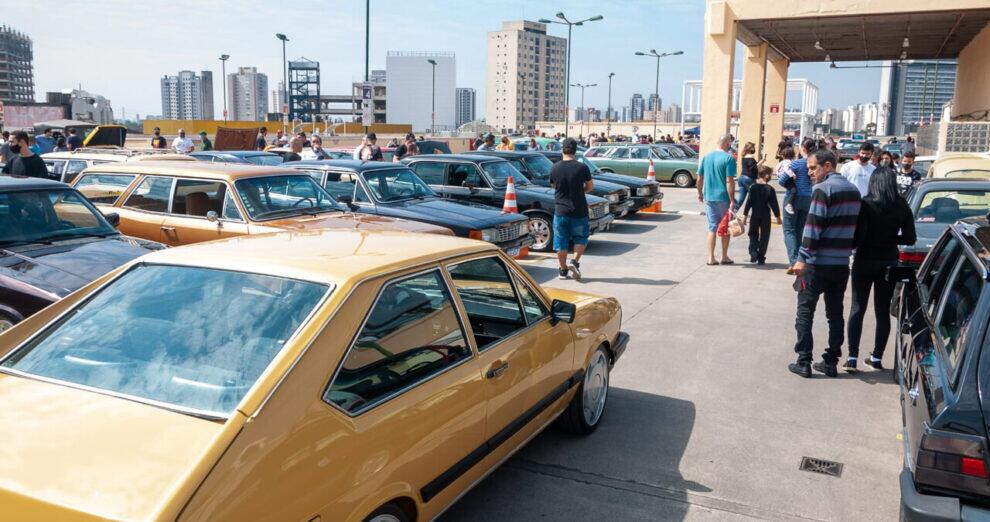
562,311
901,274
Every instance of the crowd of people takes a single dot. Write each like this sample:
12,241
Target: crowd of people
830,214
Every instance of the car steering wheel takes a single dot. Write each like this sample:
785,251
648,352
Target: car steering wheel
311,201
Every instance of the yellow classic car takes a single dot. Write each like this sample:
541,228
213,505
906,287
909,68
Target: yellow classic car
370,375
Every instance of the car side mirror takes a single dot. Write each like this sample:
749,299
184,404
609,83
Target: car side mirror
347,200
901,274
471,187
113,218
213,217
562,311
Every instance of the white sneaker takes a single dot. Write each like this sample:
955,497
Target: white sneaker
576,268
789,208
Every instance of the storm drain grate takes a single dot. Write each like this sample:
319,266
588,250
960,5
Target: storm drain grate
825,467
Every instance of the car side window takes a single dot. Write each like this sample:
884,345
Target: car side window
489,299
193,197
661,153
937,273
360,195
104,188
619,153
151,194
336,187
430,172
411,334
460,174
72,169
230,210
956,311
533,308
639,153
55,168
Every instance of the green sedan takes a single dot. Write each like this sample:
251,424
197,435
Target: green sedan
634,160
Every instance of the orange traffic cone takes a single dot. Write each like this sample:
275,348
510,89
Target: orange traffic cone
510,206
651,175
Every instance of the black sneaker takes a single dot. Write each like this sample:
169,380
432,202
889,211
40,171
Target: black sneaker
850,365
576,268
802,369
563,274
761,261
877,364
826,368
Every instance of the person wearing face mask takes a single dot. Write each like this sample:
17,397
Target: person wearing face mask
158,141
858,171
25,163
886,160
182,144
907,176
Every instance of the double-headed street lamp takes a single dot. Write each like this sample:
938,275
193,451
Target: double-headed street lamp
584,110
433,106
656,92
285,82
608,111
567,68
223,73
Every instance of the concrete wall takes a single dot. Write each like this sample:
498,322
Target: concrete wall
973,76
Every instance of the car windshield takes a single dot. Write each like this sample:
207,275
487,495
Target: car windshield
193,338
949,206
267,160
269,197
591,166
539,166
42,216
499,172
396,185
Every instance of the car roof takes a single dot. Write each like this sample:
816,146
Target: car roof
354,165
474,158
226,171
953,183
507,153
949,163
235,153
328,255
28,183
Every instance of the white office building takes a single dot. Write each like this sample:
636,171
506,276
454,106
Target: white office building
410,93
247,94
187,96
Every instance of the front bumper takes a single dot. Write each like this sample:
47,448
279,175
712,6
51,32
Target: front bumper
519,242
641,202
621,209
602,224
619,347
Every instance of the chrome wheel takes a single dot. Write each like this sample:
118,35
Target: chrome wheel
539,228
6,323
683,179
595,388
385,518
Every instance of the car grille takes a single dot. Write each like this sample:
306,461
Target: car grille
648,189
597,210
511,231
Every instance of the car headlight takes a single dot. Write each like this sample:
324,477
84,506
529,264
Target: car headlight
613,198
487,234
608,208
643,191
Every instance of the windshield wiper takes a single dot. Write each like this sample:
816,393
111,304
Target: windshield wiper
312,211
277,212
82,234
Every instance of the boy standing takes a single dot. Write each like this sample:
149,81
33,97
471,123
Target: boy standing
762,199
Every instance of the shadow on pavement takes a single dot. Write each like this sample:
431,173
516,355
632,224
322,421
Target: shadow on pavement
630,281
601,247
870,376
629,469
640,216
630,227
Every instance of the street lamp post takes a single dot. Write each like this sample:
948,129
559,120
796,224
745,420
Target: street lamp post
285,83
608,111
584,110
567,68
656,91
433,104
223,73
522,98
367,73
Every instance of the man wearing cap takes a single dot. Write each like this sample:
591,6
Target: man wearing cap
158,141
205,142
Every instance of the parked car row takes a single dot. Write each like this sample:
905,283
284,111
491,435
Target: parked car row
672,162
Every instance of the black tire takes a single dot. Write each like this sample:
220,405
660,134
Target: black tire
683,179
6,321
541,227
389,512
573,419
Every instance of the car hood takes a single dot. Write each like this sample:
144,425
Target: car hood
70,454
604,186
66,266
622,179
436,210
548,193
355,221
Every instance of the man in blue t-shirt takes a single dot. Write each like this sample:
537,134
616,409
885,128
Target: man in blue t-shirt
717,190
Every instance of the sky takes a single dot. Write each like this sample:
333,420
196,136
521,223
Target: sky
121,49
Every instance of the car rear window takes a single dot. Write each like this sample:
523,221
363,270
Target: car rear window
268,160
104,188
949,206
193,338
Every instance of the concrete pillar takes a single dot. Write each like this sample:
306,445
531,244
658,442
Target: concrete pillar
720,53
751,106
773,124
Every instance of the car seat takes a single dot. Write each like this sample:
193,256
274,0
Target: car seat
946,210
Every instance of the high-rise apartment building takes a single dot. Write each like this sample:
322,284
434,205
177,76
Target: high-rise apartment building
625,113
16,70
278,97
914,92
637,107
464,112
411,89
653,103
525,76
247,94
187,96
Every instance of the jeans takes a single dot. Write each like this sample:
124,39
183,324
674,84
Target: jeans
570,229
830,281
759,238
742,184
794,226
864,275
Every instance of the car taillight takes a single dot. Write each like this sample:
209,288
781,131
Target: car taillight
911,257
952,461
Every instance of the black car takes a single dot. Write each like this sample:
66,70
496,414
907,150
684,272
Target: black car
943,375
537,167
642,192
393,190
52,242
482,179
247,157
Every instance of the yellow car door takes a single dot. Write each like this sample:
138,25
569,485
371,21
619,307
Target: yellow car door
143,212
202,210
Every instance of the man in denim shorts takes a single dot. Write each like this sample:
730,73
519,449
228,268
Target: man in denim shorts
717,190
570,179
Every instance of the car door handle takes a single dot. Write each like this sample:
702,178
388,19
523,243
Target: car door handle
168,229
497,370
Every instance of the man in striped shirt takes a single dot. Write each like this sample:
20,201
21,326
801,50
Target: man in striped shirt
823,261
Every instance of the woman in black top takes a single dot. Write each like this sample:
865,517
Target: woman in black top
885,221
749,172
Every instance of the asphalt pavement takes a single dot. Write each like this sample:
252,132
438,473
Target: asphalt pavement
703,421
